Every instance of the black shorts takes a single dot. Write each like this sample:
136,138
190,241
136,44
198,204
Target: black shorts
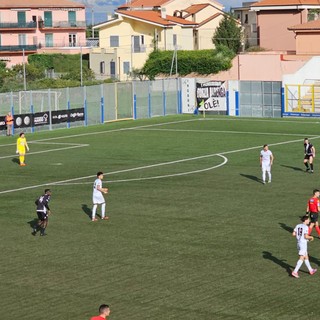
308,156
313,217
42,216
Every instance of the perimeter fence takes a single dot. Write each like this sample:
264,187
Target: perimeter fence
81,106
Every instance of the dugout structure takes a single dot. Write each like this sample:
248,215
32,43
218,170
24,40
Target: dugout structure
302,100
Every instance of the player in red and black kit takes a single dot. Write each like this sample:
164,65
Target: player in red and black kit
104,312
313,209
309,155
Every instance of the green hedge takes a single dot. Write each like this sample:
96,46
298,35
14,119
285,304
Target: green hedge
200,61
59,62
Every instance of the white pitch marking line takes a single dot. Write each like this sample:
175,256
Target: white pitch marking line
232,132
46,151
225,160
115,172
139,168
44,142
103,132
300,121
153,125
132,128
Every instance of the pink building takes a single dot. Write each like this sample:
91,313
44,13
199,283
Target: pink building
275,16
40,26
307,37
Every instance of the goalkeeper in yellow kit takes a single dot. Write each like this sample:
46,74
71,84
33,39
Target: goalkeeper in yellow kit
22,145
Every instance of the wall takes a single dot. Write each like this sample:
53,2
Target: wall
273,28
308,43
305,75
206,32
261,67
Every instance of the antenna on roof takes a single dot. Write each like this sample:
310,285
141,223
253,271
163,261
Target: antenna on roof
163,13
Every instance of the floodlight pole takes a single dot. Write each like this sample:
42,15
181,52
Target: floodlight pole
92,22
24,72
81,76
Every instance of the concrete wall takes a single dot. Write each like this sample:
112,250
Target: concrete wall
261,67
273,28
307,74
206,32
308,43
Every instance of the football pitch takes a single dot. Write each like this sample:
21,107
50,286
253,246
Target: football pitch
192,234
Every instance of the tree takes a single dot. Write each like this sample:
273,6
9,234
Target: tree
228,33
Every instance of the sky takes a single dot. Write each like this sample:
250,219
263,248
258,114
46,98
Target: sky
97,10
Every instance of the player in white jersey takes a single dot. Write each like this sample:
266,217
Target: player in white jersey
98,198
301,232
266,161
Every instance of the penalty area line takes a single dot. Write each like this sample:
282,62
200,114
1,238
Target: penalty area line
50,150
65,182
160,164
225,160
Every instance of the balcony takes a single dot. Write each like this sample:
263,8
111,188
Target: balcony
62,25
18,48
12,26
141,48
62,44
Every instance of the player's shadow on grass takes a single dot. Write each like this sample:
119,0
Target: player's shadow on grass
285,227
269,256
87,210
293,168
15,160
251,177
33,223
314,260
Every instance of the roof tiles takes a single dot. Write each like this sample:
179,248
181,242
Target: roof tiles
266,3
308,26
40,4
155,17
144,3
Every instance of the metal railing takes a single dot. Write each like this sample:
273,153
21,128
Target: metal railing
18,25
18,48
62,24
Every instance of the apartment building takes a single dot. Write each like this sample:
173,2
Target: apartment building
141,26
40,26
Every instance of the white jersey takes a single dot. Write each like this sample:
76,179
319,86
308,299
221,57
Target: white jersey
266,157
97,196
302,243
301,230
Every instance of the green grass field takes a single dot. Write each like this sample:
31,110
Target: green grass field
193,233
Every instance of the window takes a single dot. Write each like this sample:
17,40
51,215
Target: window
174,40
72,18
72,40
126,67
138,43
246,19
102,67
48,18
22,39
112,69
21,18
114,41
49,39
